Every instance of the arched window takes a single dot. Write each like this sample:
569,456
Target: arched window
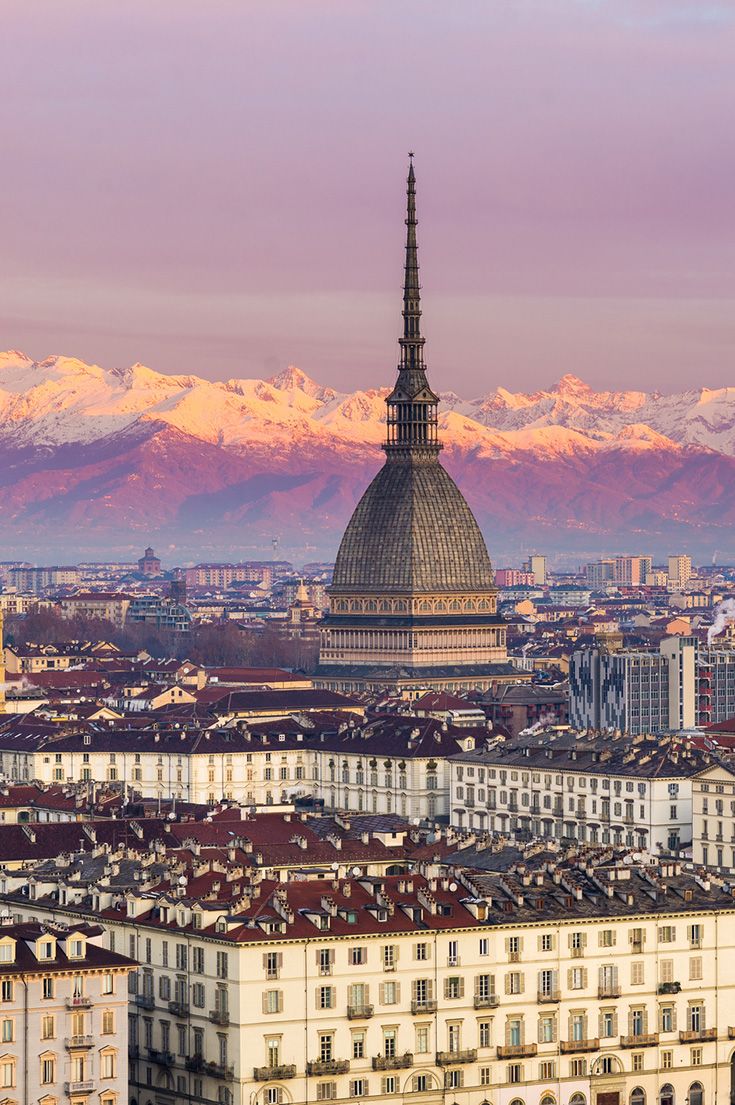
666,1094
548,1099
577,1099
696,1094
638,1096
516,1101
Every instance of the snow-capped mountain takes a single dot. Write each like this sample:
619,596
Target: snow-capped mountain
94,451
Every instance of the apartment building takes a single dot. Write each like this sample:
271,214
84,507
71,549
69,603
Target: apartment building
64,993
713,817
391,765
582,983
682,685
624,793
679,572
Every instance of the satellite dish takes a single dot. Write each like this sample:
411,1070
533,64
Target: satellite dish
628,860
452,886
355,871
637,857
335,867
182,880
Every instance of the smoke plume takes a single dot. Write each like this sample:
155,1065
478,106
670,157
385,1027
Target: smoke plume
724,613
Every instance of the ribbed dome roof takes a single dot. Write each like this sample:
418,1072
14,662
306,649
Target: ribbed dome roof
412,531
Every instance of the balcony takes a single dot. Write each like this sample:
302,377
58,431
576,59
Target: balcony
165,1058
517,1051
568,1047
133,1051
546,997
669,988
640,1039
275,1074
87,1086
79,1001
426,1005
71,1043
486,1001
609,991
393,1062
195,1063
179,1008
220,1070
145,1001
454,961
697,1035
328,1066
219,1016
359,1012
452,1058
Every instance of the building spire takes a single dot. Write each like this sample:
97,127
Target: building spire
412,344
412,406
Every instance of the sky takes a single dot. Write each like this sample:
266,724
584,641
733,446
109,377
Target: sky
219,188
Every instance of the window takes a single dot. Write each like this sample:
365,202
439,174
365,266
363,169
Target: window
326,1091
222,964
454,987
422,1039
638,1061
637,1096
421,951
546,942
108,1022
6,990
47,1028
358,1044
8,1030
420,1083
636,973
359,1087
108,1064
273,1001
666,1094
695,967
483,1034
325,997
358,956
108,984
578,1068
514,1074
7,1073
547,1073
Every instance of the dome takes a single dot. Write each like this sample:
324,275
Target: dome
412,531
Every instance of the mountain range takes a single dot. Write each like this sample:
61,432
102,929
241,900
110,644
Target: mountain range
99,460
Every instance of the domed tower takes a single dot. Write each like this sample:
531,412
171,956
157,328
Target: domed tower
412,600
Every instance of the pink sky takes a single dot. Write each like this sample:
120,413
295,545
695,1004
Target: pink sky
218,188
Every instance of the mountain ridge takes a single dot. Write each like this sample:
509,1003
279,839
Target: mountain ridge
115,452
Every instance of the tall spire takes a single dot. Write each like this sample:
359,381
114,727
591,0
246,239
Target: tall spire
412,406
412,344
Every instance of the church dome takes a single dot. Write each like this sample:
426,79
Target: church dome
412,531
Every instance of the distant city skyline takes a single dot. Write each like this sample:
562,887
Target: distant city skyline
223,195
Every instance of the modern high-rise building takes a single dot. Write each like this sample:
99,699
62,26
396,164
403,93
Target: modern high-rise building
681,686
679,571
536,564
631,571
412,598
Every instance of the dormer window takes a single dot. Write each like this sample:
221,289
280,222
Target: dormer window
46,949
7,952
75,949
